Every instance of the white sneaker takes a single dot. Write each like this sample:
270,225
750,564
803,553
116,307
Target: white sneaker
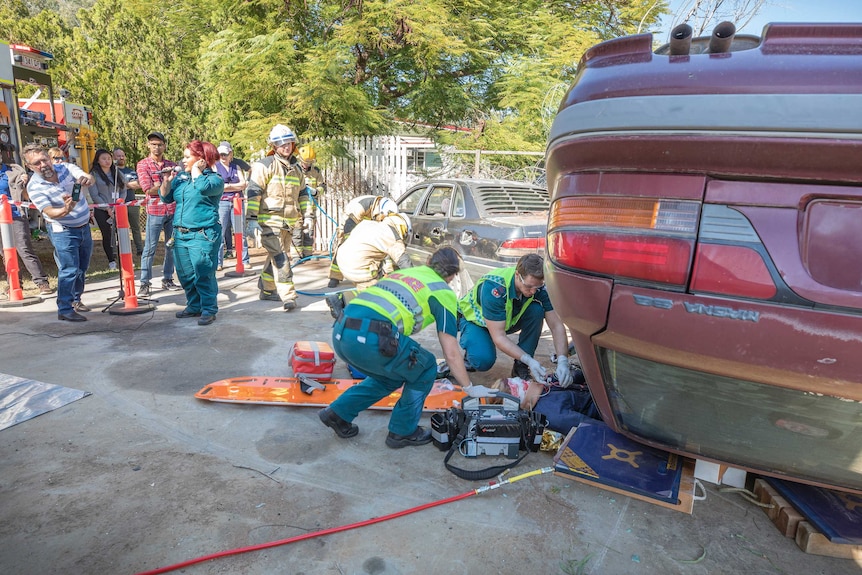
112,266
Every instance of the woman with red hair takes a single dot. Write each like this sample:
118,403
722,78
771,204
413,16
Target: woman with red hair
197,231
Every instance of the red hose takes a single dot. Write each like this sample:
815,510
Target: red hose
306,535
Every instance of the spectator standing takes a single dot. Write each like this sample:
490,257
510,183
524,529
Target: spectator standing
197,192
51,189
234,186
132,188
13,182
273,209
159,214
109,185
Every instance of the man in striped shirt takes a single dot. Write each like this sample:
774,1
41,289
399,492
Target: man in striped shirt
68,221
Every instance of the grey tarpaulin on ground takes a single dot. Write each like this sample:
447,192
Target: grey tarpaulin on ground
22,399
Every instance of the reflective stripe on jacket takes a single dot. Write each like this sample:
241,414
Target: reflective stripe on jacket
403,298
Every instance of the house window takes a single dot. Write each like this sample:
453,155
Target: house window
423,160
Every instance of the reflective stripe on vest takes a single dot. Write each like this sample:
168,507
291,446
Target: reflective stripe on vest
471,309
403,298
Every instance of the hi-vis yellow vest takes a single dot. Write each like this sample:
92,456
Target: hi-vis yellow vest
471,309
403,298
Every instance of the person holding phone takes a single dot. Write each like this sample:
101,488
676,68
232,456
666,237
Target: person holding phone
197,231
52,188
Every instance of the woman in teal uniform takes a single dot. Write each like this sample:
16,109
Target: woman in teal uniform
197,231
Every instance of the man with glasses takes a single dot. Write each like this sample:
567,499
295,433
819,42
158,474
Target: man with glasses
51,190
160,215
505,301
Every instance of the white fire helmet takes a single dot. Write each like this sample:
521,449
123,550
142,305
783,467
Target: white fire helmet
281,135
400,222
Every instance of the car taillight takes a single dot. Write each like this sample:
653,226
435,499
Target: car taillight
731,270
639,238
521,246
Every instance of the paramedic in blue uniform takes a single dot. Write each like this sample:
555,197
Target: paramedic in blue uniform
197,231
505,301
373,335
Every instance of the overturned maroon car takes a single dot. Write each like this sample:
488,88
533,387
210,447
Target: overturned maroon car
705,244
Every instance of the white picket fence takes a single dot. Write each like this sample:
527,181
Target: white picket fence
390,165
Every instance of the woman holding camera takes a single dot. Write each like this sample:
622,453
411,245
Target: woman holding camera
108,187
197,231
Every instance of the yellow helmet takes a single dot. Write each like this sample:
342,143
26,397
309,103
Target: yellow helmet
401,223
307,154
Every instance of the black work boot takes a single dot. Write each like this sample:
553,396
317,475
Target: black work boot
333,282
419,437
339,426
336,305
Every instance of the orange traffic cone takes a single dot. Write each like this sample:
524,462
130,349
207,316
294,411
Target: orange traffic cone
127,266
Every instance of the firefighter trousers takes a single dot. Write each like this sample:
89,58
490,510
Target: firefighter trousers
276,274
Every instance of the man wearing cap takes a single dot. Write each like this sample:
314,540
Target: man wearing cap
160,215
273,210
234,185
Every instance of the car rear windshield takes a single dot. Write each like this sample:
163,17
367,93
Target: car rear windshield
503,200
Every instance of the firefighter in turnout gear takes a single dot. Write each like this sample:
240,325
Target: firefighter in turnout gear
374,248
303,235
375,335
273,209
357,210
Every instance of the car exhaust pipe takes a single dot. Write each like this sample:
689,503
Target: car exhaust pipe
680,40
722,38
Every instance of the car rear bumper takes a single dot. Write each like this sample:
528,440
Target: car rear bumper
758,386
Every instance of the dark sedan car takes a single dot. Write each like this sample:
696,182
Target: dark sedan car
705,246
490,222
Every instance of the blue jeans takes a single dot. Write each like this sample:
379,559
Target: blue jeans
225,212
412,366
480,348
155,225
72,250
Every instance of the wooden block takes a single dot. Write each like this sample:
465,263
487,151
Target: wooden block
812,541
782,514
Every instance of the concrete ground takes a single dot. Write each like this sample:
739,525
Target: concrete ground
142,475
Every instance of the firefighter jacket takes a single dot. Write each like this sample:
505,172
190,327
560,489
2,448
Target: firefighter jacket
362,254
403,298
273,191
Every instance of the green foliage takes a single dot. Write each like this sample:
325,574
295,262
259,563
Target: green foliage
219,69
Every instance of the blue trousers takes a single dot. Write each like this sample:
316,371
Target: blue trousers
195,255
480,348
155,225
412,367
72,250
225,213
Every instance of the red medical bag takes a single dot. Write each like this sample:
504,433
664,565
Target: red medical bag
313,358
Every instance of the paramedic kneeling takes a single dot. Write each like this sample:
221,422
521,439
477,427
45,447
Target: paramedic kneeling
373,335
